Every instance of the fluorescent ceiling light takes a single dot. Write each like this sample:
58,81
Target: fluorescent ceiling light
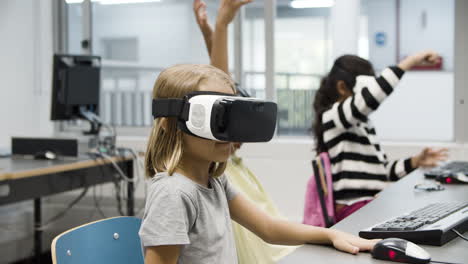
312,3
119,2
74,1
113,2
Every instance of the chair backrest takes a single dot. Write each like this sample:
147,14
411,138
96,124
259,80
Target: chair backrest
112,240
319,207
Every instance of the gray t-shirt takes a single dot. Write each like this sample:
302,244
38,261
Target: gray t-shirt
181,212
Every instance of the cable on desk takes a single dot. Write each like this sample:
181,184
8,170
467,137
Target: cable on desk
122,175
443,262
120,188
139,166
118,197
96,201
54,219
116,181
460,234
117,168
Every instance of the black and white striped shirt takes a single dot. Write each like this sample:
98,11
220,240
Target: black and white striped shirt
360,167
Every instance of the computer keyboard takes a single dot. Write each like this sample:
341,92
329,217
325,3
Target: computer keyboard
448,169
429,225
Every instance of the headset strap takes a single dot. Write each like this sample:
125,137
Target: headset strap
173,107
178,107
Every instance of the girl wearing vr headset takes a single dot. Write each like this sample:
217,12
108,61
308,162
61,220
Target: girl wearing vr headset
191,202
345,99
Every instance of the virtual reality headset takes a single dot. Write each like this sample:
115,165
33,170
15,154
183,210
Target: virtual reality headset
219,116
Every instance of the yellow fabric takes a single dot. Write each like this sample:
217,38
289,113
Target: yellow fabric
250,248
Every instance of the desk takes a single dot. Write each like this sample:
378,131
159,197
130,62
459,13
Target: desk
395,200
27,179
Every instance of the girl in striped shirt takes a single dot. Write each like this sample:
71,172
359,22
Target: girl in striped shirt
345,99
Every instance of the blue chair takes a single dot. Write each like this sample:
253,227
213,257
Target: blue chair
112,240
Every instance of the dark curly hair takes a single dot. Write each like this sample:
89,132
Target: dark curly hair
346,68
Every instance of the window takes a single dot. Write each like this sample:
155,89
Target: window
120,49
253,37
74,29
301,59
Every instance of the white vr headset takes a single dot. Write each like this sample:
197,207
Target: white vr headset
221,117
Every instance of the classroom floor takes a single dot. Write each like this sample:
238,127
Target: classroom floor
46,258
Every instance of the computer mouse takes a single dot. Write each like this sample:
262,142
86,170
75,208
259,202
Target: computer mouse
453,178
400,250
45,155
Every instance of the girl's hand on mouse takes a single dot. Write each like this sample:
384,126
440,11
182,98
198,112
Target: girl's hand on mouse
228,10
429,157
420,58
349,243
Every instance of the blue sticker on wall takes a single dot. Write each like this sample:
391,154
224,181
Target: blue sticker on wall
380,38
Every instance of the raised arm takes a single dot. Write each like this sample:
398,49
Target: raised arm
199,9
370,92
275,231
226,13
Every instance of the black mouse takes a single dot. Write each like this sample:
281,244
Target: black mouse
400,250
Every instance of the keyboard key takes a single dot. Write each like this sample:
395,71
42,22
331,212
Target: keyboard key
396,228
379,228
413,226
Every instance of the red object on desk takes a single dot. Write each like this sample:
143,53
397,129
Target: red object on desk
434,67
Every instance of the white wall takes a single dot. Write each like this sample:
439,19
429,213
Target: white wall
434,30
381,18
344,22
167,33
420,109
25,68
460,70
25,79
436,33
75,28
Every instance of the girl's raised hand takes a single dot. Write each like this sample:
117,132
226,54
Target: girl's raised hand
420,58
228,10
426,58
199,9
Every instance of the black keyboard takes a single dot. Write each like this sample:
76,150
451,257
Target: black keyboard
430,225
448,169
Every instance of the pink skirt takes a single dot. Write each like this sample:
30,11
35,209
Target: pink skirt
350,209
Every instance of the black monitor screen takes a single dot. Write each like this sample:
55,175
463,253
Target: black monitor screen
76,84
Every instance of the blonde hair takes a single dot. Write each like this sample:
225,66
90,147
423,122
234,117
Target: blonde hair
165,146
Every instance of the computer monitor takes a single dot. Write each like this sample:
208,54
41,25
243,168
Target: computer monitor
75,89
